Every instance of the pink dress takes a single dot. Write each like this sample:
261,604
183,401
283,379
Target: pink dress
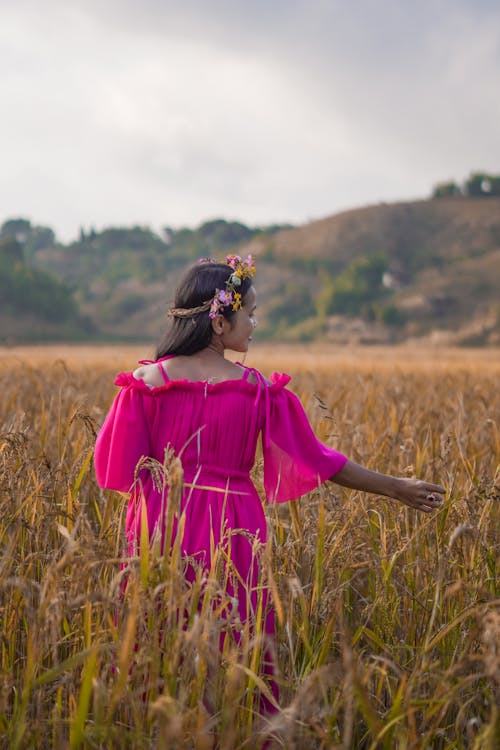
214,429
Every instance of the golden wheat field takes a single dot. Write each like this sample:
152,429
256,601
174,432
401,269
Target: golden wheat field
388,622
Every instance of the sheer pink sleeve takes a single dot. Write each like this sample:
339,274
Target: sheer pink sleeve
295,461
123,438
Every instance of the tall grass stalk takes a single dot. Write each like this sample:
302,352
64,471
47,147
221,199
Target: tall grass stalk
388,623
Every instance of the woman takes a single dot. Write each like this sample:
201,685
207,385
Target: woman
211,412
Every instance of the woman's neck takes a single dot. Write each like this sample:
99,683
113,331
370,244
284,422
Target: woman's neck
214,349
208,364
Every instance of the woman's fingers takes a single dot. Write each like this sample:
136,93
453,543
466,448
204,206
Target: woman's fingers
434,488
429,497
432,500
432,497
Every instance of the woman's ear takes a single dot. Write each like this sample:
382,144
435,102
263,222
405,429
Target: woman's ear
218,325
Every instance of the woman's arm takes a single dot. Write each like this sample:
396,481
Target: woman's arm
413,492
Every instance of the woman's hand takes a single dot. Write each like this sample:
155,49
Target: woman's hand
416,493
419,494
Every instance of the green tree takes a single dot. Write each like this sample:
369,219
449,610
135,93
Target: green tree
15,228
446,190
392,316
28,290
291,304
11,252
353,290
481,184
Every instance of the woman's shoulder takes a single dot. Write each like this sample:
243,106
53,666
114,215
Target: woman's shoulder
165,373
152,374
170,371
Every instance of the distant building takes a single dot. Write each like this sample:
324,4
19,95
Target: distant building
391,280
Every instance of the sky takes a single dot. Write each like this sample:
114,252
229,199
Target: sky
162,113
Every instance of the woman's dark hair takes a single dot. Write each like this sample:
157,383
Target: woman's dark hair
187,335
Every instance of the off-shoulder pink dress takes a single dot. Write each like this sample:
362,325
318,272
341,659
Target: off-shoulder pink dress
214,429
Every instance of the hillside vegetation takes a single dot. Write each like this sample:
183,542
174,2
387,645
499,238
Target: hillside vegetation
413,267
34,304
383,273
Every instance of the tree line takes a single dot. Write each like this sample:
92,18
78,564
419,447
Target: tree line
477,185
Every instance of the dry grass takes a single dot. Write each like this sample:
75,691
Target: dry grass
388,622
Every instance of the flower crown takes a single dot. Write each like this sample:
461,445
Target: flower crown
242,269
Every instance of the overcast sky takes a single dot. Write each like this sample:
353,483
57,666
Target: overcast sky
119,112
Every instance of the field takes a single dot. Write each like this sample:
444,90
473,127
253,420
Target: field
388,622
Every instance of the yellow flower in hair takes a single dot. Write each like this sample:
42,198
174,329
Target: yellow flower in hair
241,271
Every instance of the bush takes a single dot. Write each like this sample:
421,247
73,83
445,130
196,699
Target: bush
356,287
25,290
446,190
392,316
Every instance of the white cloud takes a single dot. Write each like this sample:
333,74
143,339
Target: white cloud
159,113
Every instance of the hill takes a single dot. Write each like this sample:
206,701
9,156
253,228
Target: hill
383,273
400,270
122,279
412,234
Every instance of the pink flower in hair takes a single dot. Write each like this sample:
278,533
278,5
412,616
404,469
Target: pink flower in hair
214,307
222,299
242,269
233,260
225,297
